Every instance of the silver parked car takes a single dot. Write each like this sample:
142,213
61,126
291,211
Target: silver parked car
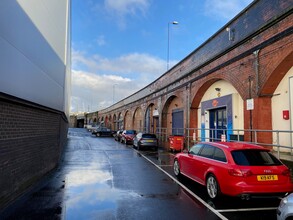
145,140
285,209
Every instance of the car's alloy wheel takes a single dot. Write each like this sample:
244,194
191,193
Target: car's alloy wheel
212,187
176,168
98,134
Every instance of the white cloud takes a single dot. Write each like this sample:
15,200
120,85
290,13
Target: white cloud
127,7
94,82
94,77
91,92
120,9
134,63
226,9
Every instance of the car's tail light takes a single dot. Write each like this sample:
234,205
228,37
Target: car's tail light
286,172
239,172
129,137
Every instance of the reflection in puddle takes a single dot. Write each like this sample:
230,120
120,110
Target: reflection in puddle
90,195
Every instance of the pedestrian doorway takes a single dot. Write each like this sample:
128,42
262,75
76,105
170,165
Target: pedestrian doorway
177,122
218,123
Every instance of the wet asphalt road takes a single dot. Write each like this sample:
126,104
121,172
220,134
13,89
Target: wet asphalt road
100,178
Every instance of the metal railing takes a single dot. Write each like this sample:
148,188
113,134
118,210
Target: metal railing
279,140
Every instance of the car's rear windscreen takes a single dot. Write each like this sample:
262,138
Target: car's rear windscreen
149,136
254,158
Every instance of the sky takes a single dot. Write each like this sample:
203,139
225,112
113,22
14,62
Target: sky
121,46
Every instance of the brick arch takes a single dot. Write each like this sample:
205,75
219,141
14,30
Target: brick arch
110,121
150,121
271,74
277,75
128,120
205,89
120,121
114,122
201,89
137,121
165,110
173,103
198,94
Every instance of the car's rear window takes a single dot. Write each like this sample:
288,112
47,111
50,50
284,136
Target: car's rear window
254,158
149,136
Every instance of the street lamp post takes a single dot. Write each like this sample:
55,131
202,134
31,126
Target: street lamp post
174,23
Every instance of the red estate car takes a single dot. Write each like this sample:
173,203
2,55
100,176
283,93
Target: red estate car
234,169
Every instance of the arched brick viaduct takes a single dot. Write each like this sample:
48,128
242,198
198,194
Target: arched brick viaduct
245,60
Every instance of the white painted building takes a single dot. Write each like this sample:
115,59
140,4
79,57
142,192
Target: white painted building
35,75
35,51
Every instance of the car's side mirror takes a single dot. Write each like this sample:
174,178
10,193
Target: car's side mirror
185,151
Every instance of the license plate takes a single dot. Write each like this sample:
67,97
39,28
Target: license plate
149,141
267,177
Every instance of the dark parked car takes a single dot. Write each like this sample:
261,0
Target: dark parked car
118,135
234,169
102,131
127,136
145,140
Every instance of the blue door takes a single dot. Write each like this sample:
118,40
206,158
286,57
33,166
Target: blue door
177,122
218,123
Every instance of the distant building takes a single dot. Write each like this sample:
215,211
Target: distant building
34,91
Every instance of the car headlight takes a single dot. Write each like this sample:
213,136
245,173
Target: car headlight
283,202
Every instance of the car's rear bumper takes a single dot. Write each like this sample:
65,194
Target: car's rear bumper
275,190
148,144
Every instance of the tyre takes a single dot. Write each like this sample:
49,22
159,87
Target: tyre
176,168
213,188
98,134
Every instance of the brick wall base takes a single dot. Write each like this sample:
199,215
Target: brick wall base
31,143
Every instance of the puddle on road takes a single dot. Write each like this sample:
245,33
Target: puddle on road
90,195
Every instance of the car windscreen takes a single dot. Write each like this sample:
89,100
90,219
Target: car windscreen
149,136
254,158
130,132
